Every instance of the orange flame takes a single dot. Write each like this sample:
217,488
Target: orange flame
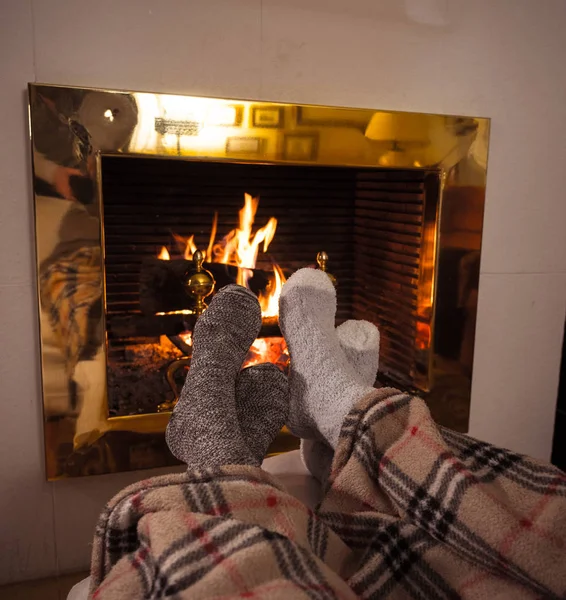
240,248
212,237
164,254
186,246
269,299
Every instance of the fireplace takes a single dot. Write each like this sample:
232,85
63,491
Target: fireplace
131,188
156,213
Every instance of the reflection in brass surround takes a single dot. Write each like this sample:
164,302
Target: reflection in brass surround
73,127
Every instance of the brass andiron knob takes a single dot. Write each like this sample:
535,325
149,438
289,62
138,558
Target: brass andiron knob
199,283
322,262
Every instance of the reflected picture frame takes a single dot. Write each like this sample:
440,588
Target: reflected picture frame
300,147
267,116
243,145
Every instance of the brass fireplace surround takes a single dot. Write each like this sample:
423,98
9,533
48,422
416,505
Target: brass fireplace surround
72,128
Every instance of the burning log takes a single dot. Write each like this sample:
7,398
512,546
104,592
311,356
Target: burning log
136,325
161,283
240,248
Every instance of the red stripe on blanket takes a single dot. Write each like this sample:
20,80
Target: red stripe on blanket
529,523
142,553
210,547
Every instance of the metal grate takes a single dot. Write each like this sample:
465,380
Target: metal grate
387,241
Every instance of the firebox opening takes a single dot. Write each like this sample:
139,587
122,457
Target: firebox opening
157,212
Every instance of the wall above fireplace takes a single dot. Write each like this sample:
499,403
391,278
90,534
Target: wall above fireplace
129,184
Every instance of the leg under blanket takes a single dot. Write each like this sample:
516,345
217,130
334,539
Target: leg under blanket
411,510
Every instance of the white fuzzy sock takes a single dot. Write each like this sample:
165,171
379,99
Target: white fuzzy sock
324,386
360,342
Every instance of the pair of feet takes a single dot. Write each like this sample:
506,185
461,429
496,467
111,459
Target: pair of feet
226,415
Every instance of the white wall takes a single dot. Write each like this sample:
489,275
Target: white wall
502,59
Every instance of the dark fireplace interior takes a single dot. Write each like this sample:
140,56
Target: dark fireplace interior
369,221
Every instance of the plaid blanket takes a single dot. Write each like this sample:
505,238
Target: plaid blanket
411,510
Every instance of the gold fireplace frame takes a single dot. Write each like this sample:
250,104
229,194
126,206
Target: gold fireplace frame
72,128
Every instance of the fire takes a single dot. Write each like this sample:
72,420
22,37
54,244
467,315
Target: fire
271,349
212,237
268,349
269,299
240,248
187,337
164,254
186,246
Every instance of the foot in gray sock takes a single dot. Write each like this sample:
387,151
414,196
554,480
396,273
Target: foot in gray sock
360,342
203,430
323,384
262,405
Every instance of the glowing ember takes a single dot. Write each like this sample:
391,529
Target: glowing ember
268,349
240,248
271,349
164,254
187,337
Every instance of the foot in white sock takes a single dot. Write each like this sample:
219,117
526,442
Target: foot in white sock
360,342
324,386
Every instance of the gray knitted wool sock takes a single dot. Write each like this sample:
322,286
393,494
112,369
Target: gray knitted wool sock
360,342
262,405
203,430
323,384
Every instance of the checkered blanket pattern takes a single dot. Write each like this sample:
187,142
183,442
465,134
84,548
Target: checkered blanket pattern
411,510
